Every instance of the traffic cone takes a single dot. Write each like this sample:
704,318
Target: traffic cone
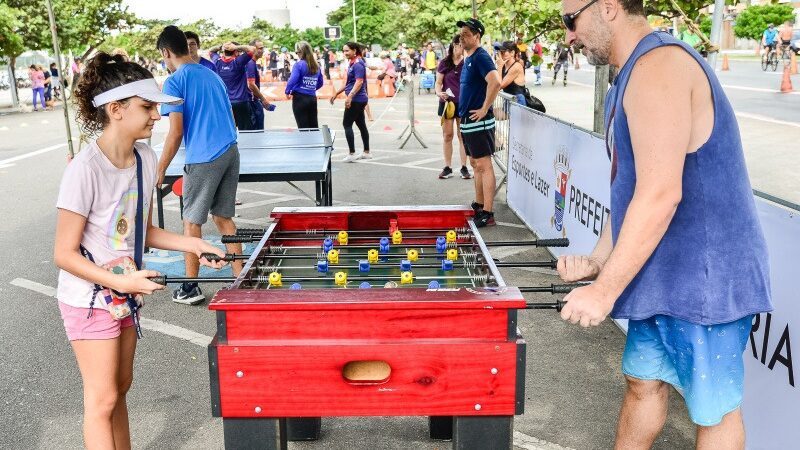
725,65
786,83
793,64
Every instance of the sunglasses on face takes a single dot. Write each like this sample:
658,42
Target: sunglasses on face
569,19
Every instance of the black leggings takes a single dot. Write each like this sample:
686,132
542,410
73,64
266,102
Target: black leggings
355,113
304,108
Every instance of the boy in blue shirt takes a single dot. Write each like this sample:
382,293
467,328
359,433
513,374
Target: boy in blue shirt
205,124
480,84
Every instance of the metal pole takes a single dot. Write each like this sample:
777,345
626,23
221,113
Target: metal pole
355,36
474,10
12,86
61,73
716,31
600,90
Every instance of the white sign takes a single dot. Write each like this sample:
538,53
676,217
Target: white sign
558,180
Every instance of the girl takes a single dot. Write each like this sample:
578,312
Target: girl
356,101
513,82
37,85
305,81
105,193
448,87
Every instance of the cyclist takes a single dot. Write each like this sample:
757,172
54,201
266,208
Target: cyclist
769,38
785,36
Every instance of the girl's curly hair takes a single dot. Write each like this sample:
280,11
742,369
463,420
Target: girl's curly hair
103,72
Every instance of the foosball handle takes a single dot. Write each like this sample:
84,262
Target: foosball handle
566,288
214,257
249,231
559,242
160,279
236,239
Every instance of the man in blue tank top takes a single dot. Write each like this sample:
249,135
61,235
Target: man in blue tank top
688,274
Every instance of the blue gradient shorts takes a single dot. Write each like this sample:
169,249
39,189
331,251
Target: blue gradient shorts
703,362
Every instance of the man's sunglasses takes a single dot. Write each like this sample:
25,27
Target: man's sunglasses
569,19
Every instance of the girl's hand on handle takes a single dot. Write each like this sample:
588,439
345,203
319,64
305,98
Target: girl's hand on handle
138,283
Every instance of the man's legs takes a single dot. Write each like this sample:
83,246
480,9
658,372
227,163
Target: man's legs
727,435
644,411
191,262
484,182
226,226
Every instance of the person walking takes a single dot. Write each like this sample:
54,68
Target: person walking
563,57
37,85
272,65
304,82
537,68
356,90
689,276
258,102
512,72
448,87
480,84
388,73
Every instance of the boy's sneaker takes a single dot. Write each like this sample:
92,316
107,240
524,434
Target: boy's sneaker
484,218
465,173
477,207
350,157
364,155
447,172
192,296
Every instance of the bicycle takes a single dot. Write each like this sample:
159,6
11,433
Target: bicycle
769,60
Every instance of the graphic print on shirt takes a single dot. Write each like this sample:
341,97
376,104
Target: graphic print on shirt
121,227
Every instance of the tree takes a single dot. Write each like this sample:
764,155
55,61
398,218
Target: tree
376,21
11,44
752,22
140,40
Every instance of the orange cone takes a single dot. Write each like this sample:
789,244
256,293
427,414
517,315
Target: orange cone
725,65
786,83
793,64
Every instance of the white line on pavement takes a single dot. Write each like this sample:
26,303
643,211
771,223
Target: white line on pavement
522,440
747,88
6,166
767,119
31,154
396,165
148,324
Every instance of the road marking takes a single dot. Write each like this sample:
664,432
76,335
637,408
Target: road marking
31,154
361,161
747,88
34,286
148,324
23,125
4,128
767,119
522,440
6,166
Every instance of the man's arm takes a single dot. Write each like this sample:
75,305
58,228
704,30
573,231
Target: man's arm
171,144
573,268
492,88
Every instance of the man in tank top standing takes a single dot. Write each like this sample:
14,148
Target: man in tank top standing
687,274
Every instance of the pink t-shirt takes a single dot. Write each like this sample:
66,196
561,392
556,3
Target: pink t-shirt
388,68
94,188
37,79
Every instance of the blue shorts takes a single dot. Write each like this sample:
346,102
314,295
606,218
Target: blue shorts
703,362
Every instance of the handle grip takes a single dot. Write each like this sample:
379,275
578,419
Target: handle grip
160,279
249,231
234,239
566,288
215,257
559,242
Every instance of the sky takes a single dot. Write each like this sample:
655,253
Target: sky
236,13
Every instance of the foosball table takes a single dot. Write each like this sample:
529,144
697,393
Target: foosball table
370,311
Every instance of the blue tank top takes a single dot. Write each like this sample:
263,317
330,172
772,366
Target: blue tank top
711,266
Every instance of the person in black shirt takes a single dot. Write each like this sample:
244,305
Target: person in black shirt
563,57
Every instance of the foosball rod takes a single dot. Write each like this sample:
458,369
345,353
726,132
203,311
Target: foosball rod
558,242
163,279
333,233
233,257
552,289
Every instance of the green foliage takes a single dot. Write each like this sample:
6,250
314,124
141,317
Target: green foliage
705,24
376,21
141,40
752,22
11,44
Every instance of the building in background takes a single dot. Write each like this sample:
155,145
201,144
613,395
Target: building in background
279,17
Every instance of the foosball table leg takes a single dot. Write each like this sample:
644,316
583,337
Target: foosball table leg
441,427
247,434
483,432
303,428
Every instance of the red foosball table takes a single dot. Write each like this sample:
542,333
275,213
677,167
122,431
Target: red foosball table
368,311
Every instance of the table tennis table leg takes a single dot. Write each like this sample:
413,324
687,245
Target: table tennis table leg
246,434
329,184
320,190
160,206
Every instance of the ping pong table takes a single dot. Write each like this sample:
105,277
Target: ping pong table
271,155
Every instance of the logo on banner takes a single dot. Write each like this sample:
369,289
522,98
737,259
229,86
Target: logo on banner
563,172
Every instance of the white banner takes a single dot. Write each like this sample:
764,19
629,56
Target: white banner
558,180
549,161
771,407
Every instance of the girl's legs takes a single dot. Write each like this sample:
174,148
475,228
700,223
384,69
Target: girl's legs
361,123
347,123
447,134
106,367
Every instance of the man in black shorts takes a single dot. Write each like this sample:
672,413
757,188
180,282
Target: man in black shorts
480,84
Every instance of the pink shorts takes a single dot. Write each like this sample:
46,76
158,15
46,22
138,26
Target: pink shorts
99,326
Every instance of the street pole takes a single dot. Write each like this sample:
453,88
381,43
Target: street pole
600,90
12,86
474,10
62,74
355,36
716,31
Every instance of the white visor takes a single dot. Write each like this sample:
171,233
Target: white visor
146,89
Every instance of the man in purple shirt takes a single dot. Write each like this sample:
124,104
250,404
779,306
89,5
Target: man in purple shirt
231,67
257,100
194,44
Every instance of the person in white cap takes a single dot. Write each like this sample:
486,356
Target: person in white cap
103,226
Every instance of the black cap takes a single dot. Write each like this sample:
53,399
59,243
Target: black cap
473,24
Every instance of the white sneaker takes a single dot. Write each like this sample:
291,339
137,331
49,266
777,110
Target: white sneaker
363,155
350,157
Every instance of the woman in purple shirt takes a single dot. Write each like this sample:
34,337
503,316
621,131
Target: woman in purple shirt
448,85
356,101
302,87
